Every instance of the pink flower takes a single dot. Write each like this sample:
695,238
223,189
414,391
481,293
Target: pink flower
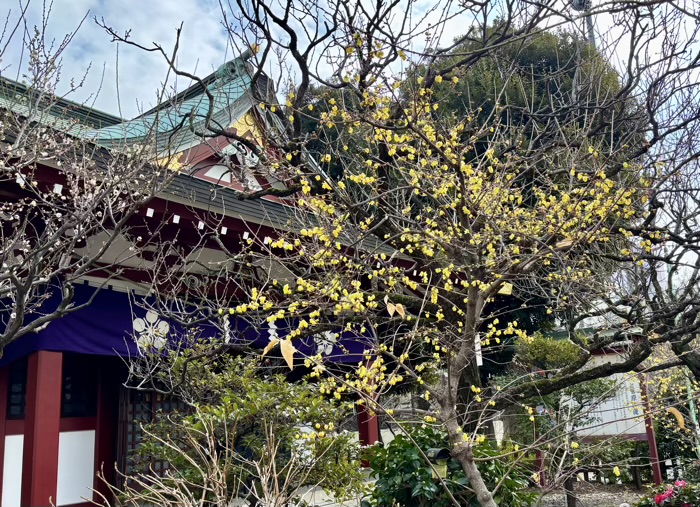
680,484
661,497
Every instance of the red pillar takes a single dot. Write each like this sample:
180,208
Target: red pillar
42,426
367,423
653,452
368,426
106,430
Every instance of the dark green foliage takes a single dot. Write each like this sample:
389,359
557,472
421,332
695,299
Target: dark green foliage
533,75
674,442
404,477
321,138
546,353
531,316
529,82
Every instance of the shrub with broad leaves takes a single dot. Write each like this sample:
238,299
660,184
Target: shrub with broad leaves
404,476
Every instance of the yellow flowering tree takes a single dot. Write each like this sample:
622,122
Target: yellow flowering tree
432,216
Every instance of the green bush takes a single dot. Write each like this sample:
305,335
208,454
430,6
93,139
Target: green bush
545,352
249,435
404,476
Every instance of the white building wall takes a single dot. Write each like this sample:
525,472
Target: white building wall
12,471
623,413
76,467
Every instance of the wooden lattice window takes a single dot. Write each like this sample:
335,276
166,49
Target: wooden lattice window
136,409
17,389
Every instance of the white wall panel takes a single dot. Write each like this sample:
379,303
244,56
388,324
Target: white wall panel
76,466
12,471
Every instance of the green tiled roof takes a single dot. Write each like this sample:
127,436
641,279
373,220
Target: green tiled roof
174,125
229,88
181,123
59,113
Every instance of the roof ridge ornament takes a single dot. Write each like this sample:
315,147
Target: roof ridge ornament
233,68
227,71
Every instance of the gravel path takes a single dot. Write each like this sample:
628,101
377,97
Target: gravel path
594,496
589,495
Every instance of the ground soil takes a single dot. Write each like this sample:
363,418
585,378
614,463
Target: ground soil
594,495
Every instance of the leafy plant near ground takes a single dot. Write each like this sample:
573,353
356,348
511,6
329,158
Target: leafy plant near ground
678,494
246,435
404,475
691,470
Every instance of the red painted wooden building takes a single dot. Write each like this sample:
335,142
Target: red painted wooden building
64,412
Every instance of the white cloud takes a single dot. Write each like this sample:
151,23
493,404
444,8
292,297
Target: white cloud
203,47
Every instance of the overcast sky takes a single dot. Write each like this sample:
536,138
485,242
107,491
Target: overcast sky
203,46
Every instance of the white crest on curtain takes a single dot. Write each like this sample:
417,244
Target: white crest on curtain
325,345
151,332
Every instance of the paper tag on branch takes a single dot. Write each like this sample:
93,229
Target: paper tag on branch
506,289
288,351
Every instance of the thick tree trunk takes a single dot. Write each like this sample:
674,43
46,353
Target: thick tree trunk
454,396
483,495
462,452
465,396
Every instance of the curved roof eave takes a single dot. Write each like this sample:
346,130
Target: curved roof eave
178,125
